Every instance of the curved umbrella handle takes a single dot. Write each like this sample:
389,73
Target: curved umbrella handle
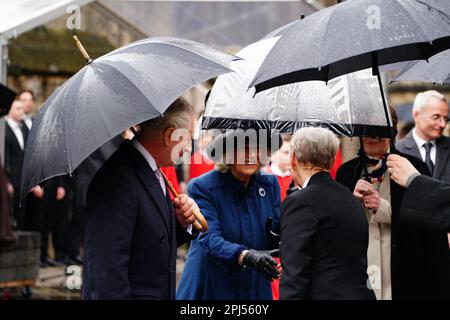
200,224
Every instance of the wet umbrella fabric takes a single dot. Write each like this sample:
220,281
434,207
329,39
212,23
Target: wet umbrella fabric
435,70
130,85
355,35
349,105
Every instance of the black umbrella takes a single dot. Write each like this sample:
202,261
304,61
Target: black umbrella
130,85
355,35
435,70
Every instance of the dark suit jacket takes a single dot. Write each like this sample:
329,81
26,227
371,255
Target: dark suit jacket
131,232
434,211
408,145
324,238
13,157
419,263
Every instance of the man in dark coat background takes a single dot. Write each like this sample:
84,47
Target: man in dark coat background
16,134
419,266
132,228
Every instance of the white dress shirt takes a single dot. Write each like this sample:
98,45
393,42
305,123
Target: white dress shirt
306,183
151,162
420,144
28,121
15,126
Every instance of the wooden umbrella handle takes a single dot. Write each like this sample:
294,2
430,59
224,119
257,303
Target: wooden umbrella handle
82,50
200,224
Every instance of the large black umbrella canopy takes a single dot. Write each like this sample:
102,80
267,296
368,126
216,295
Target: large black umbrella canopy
355,35
130,85
435,70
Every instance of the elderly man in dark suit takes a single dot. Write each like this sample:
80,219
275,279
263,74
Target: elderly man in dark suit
426,140
324,231
132,228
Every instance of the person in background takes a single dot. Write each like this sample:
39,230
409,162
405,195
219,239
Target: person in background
200,163
336,164
7,234
324,233
41,218
231,260
280,166
426,141
28,100
16,135
397,252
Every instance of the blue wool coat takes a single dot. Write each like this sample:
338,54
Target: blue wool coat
236,217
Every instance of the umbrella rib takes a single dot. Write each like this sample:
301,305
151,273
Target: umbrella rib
326,32
82,74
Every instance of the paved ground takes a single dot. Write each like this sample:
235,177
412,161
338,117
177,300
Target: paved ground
63,283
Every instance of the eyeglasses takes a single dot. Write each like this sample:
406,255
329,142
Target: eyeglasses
438,118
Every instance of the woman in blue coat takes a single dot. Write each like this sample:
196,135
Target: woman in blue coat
232,259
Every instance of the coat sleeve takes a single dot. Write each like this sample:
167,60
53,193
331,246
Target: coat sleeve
111,217
427,202
298,227
223,252
183,235
383,214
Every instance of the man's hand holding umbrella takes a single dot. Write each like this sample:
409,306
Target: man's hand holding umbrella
184,208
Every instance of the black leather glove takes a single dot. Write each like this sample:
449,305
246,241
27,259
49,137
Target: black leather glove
262,262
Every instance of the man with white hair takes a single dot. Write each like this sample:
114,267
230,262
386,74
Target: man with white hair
426,140
132,227
324,231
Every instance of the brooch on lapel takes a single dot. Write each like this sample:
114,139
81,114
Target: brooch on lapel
262,192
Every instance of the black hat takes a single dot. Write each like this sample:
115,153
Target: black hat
7,97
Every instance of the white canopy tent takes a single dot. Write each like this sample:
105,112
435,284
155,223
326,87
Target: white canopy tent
19,16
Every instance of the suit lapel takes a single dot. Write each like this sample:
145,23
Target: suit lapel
151,184
442,150
411,146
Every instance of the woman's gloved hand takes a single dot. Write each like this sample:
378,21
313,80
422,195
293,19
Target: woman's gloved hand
262,262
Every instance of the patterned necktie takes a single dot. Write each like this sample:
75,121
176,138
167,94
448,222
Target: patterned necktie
428,161
161,180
